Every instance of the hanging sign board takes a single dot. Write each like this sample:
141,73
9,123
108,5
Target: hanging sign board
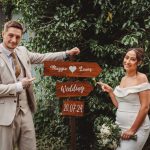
73,89
73,108
71,69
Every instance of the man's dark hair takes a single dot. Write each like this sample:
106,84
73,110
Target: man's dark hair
13,24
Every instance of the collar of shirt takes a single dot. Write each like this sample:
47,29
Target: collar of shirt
6,51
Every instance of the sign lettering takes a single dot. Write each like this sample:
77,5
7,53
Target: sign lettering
73,89
73,108
71,69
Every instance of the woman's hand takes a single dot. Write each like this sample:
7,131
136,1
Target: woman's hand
109,90
126,135
105,87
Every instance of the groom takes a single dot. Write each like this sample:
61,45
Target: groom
17,100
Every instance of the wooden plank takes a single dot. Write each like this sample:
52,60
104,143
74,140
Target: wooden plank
71,69
73,108
73,89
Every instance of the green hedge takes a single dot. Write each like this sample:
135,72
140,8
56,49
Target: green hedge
103,30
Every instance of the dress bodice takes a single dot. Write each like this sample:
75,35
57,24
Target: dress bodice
129,104
121,92
128,98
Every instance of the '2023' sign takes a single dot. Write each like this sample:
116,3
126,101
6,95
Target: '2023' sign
74,108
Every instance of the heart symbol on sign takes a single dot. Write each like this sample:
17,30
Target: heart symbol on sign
72,68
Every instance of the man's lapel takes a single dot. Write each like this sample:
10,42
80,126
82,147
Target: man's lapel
24,62
4,57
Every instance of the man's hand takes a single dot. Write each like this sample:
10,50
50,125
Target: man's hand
26,82
74,51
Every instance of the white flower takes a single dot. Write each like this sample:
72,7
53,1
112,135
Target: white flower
114,126
105,141
113,145
98,127
105,130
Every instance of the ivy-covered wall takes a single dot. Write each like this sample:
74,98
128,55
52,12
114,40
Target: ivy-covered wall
2,16
103,30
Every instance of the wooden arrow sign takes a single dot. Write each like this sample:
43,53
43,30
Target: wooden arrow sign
73,108
71,69
73,89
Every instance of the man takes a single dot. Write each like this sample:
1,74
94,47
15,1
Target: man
16,94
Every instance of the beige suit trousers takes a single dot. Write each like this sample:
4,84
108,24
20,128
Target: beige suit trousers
20,133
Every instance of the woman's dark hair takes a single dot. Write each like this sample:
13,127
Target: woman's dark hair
139,53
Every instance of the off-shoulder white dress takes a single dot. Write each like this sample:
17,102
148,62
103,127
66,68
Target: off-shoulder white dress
128,108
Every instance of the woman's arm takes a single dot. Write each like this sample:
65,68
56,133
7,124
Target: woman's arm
113,99
144,100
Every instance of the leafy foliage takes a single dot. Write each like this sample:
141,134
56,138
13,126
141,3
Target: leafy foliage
51,127
103,30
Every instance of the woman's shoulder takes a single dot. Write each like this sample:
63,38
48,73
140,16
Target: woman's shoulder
141,78
140,83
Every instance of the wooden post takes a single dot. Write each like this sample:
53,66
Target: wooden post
73,108
73,132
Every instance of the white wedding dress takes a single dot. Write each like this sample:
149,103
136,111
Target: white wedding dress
128,108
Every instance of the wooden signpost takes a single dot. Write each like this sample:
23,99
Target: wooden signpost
72,108
71,69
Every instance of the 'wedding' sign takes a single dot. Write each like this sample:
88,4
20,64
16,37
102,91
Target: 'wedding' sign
73,89
71,69
73,108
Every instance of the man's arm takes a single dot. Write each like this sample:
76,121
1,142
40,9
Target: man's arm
8,90
36,58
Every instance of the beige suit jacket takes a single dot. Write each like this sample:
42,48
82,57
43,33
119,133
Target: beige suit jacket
8,93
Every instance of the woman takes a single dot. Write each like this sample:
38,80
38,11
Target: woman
132,99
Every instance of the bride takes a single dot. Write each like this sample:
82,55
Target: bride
132,99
